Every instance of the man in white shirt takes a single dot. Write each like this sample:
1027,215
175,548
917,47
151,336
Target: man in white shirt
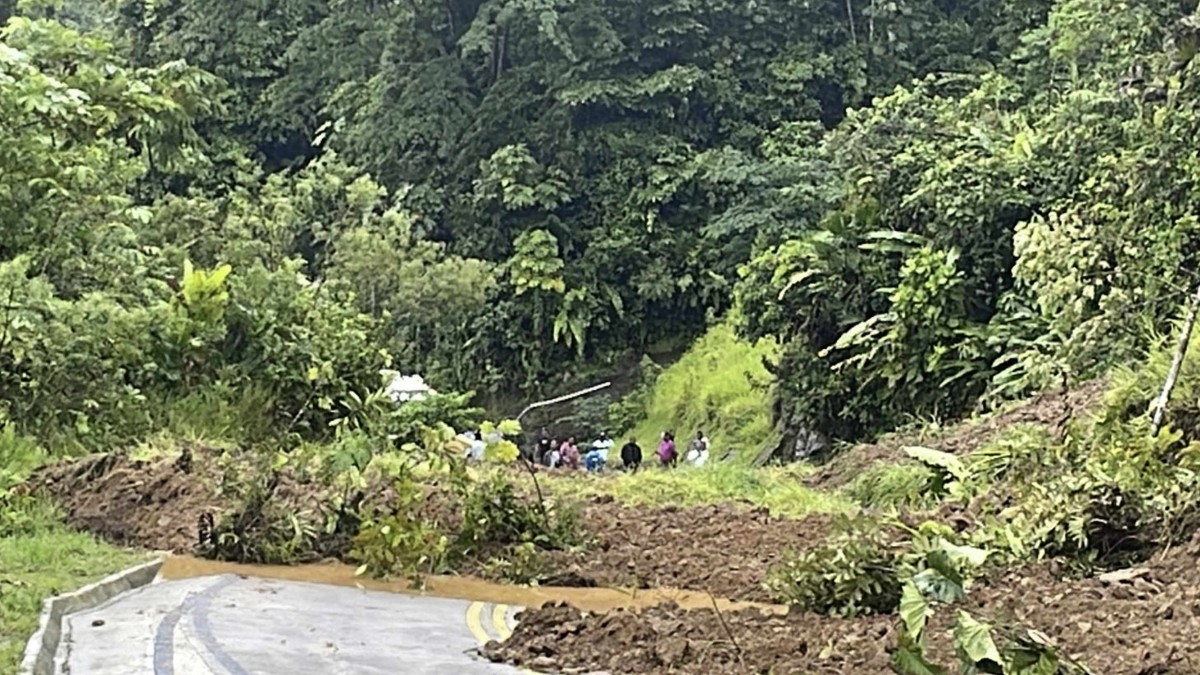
698,450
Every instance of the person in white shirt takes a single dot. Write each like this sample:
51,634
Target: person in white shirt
604,443
698,450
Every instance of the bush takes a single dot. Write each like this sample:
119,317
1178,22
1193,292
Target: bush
495,516
853,572
894,486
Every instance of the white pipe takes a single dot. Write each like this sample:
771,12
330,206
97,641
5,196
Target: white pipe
560,399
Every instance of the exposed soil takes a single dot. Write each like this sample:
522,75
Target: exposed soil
667,639
1142,625
1051,410
1134,622
155,505
725,550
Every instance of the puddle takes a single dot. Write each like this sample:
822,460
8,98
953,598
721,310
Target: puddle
460,587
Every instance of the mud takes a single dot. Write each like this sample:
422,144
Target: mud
1143,624
1133,622
155,505
1050,410
669,639
725,549
333,573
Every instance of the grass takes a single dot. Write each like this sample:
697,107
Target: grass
893,486
39,555
45,560
719,386
779,490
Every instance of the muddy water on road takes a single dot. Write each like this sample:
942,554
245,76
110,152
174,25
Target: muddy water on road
463,588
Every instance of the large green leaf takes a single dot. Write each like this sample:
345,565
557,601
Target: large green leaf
909,661
974,644
938,587
938,460
914,611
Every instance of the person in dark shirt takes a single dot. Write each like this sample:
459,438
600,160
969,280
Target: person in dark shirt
544,445
631,455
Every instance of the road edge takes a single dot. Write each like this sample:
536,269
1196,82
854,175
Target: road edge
43,644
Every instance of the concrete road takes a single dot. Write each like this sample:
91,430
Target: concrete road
232,625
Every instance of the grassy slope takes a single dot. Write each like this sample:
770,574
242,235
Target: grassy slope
46,562
719,386
39,556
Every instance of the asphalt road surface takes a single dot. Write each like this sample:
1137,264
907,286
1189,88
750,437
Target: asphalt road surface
233,625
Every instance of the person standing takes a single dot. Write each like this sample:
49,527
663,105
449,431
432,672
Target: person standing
570,453
631,455
698,450
604,443
544,445
667,455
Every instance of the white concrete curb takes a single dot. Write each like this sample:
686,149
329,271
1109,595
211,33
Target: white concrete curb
42,647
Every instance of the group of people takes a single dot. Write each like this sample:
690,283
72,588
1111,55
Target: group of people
550,452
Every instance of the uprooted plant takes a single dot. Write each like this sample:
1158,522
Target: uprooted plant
979,647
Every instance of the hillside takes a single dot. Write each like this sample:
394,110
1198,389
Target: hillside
953,241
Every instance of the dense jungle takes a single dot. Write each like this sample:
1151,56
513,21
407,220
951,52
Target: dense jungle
919,271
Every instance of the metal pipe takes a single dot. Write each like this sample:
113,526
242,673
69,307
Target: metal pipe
560,399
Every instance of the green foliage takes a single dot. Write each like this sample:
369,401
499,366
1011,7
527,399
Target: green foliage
980,648
494,516
48,559
853,572
895,486
779,490
624,414
720,386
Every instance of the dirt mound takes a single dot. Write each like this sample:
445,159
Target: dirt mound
725,549
1050,410
1141,621
667,639
1133,622
155,505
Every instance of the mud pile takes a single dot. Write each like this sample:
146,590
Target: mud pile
725,550
1141,621
667,639
1050,410
155,505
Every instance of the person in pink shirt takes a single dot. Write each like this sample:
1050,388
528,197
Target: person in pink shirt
666,449
570,454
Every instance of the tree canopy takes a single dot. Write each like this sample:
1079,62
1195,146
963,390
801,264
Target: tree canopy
931,205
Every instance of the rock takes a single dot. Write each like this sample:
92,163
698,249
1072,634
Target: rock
672,651
1127,575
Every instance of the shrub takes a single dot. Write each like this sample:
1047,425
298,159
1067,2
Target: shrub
894,486
495,516
853,572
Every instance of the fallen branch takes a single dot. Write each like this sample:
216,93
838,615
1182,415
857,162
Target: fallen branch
721,617
1185,335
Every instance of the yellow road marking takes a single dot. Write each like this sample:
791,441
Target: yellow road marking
500,619
475,622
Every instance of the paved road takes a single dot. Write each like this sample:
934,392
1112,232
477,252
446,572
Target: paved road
232,625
